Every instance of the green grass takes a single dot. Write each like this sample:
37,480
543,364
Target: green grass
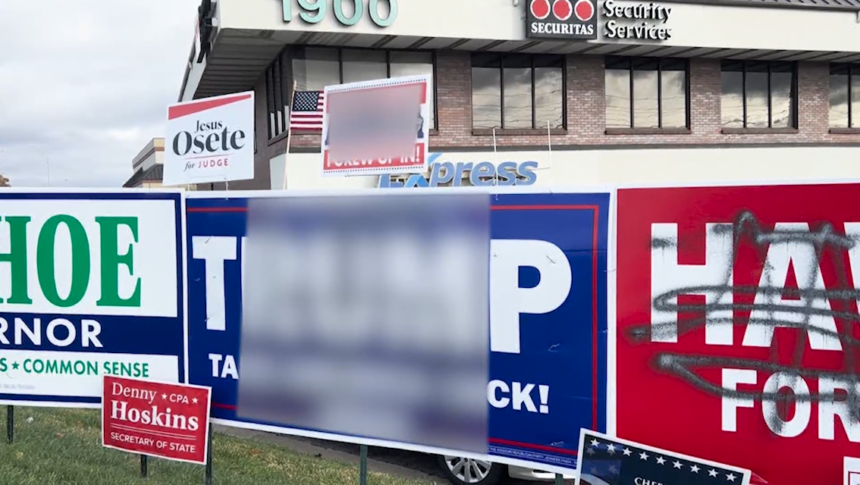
63,446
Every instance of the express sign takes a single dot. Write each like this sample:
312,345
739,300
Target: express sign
481,174
561,19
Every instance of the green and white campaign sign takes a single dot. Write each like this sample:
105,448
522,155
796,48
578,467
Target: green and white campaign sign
91,284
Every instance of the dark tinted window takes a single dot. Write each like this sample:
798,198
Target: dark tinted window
646,93
517,91
845,96
759,94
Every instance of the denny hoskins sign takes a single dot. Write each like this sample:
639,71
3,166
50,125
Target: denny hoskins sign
91,284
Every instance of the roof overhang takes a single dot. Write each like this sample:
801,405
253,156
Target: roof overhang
249,34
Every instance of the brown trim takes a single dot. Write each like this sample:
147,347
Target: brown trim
847,7
682,51
144,157
715,54
625,49
491,45
760,131
591,49
458,43
648,131
845,131
620,146
735,56
420,42
279,137
519,132
662,48
385,40
526,46
820,55
842,58
434,132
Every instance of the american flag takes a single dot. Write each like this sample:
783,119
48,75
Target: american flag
307,112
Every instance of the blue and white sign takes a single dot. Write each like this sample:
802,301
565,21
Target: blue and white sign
91,284
479,174
547,327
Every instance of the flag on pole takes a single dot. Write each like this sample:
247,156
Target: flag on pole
307,110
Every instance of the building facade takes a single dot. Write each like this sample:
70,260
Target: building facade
148,167
588,92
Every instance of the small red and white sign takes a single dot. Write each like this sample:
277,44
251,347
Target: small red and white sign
158,419
210,140
414,162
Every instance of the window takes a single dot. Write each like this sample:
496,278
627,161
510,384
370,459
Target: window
315,68
518,91
277,97
363,65
759,94
844,96
646,93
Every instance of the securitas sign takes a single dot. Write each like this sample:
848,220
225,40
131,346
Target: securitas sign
480,174
561,19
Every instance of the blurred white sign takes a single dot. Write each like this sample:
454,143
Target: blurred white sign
376,127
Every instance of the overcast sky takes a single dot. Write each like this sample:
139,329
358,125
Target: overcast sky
85,84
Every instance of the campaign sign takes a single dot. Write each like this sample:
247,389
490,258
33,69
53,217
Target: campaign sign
737,325
547,321
379,127
91,284
157,419
210,140
613,461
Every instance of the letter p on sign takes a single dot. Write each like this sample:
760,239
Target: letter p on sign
508,300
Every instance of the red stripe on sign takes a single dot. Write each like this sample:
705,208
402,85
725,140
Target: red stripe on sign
186,109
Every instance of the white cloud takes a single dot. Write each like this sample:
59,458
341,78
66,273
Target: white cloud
84,85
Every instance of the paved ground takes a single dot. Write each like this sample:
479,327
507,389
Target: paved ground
395,462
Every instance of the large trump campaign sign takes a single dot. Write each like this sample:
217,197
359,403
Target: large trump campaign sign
737,325
547,321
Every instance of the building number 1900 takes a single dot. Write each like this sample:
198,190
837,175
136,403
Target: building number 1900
314,11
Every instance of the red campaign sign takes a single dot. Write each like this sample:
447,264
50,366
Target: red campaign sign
737,326
157,419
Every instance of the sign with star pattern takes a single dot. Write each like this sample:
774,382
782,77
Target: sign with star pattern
603,460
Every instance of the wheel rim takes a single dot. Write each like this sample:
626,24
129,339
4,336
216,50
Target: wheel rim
468,470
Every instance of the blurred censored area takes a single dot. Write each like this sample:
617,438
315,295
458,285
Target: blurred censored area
368,315
373,123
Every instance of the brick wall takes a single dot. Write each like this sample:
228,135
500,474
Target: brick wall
586,112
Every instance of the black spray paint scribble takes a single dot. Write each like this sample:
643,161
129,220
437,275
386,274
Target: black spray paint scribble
746,227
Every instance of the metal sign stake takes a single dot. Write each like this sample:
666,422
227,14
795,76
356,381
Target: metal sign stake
10,424
207,475
362,465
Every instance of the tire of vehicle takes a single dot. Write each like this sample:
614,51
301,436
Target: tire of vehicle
466,471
